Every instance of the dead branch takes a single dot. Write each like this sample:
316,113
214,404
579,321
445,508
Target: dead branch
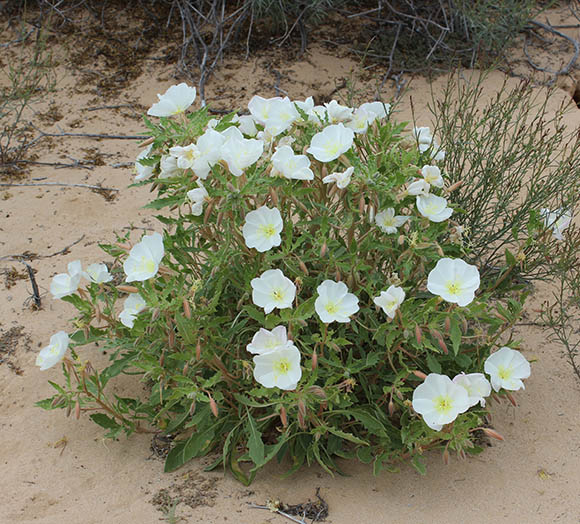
87,186
566,69
30,256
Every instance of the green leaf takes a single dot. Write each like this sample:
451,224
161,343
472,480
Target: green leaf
255,444
419,465
347,436
193,447
455,334
104,421
433,364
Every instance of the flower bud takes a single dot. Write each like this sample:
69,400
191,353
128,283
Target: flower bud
442,345
127,289
303,267
447,325
446,456
274,196
162,359
283,416
185,369
418,334
213,406
323,250
492,433
186,308
314,360
171,338
361,205
419,374
391,408
512,399
317,391
192,408
454,186
77,409
198,349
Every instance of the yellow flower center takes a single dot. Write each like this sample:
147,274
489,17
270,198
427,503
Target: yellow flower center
505,373
146,265
282,366
268,230
53,350
453,286
278,295
392,304
443,404
331,307
332,148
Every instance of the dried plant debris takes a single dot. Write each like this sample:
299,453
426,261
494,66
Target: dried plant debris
192,489
316,511
10,340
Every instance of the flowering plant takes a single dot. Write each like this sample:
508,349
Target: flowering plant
312,295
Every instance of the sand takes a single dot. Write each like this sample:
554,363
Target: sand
60,470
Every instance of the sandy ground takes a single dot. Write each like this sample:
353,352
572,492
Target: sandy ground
533,476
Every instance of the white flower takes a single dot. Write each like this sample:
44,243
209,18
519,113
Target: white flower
201,156
558,220
98,273
307,106
143,172
265,341
281,115
54,352
65,284
260,108
279,368
426,141
168,167
262,228
246,124
388,222
132,306
197,197
174,101
291,165
433,207
376,110
390,300
337,113
238,152
366,114
273,290
144,258
342,179
331,142
476,385
334,303
418,187
439,400
432,176
454,280
507,367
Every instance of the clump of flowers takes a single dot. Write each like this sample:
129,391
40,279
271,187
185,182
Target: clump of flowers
306,296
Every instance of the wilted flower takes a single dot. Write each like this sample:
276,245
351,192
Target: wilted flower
279,368
273,290
262,228
331,142
426,141
197,197
334,303
388,222
143,171
432,175
174,101
132,306
98,273
65,284
291,165
507,367
144,258
390,300
558,220
439,400
342,179
433,207
238,152
265,341
476,385
454,280
54,352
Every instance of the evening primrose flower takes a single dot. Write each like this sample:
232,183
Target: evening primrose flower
305,106
143,172
390,300
262,228
291,165
454,281
433,207
265,341
246,124
388,222
376,110
279,368
174,101
337,112
144,258
432,175
439,401
197,197
260,108
54,352
476,385
65,284
558,220
238,152
132,306
331,142
98,273
281,115
418,187
201,156
425,142
342,179
334,303
273,290
168,167
506,368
